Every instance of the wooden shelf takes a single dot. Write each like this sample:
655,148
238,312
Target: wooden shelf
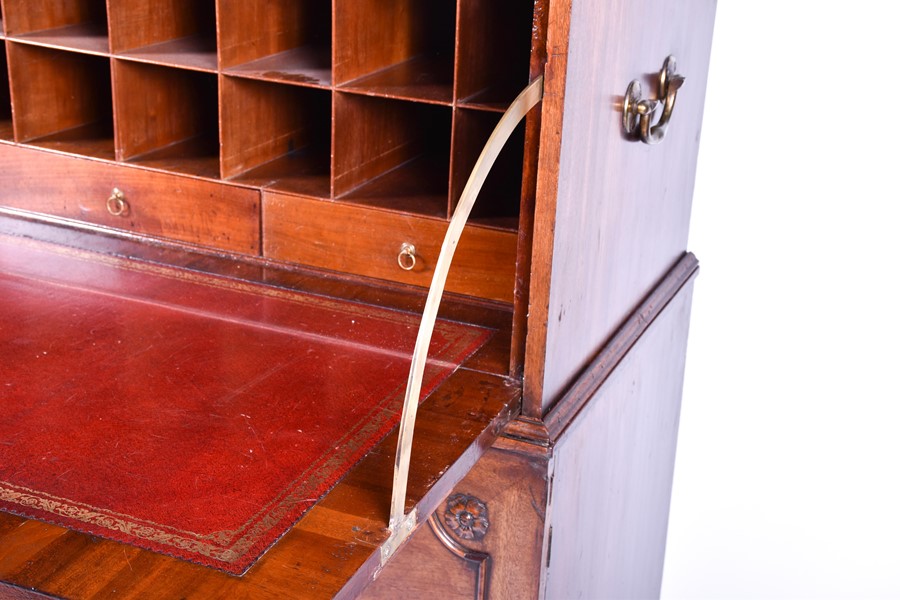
424,78
494,45
418,186
399,49
278,40
166,32
303,172
82,37
62,100
306,65
276,135
392,154
92,139
192,52
79,25
166,118
368,103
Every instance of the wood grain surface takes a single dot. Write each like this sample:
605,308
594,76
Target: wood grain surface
617,210
170,206
612,472
347,238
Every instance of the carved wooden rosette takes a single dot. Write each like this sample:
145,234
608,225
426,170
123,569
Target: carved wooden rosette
467,517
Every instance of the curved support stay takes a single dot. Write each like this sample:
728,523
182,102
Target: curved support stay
400,524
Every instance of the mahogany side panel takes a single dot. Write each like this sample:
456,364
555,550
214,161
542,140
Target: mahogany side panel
612,472
620,217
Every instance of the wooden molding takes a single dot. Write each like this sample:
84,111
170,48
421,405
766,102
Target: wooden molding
545,432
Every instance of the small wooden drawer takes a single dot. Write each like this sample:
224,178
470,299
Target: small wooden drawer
366,241
159,204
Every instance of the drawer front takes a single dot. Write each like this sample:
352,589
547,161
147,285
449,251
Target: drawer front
365,241
158,204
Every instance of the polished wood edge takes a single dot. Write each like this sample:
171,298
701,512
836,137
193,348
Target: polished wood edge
566,409
530,171
529,432
9,591
104,240
537,436
544,223
522,446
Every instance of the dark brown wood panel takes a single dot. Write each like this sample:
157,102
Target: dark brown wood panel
354,239
612,472
619,214
159,204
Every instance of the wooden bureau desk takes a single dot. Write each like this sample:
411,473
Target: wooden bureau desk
293,147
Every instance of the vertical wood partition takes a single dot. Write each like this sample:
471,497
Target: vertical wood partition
6,125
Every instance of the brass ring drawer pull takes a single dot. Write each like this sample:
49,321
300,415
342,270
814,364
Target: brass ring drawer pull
116,204
639,112
407,257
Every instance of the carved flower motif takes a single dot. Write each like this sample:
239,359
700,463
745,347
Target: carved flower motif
466,516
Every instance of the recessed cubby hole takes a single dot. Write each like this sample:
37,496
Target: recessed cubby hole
6,128
276,136
166,118
497,204
71,24
392,154
170,32
61,100
396,48
280,40
493,52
